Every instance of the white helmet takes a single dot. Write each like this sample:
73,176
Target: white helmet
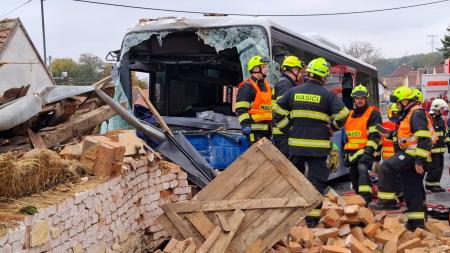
437,104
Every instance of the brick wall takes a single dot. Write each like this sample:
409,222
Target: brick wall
115,216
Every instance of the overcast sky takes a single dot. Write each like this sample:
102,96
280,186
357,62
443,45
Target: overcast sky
73,28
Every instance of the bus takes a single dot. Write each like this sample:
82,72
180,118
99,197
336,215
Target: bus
194,65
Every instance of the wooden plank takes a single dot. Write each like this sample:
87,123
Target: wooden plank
237,173
169,226
76,126
256,216
210,240
265,222
223,222
155,112
36,140
232,204
178,222
201,222
290,172
225,238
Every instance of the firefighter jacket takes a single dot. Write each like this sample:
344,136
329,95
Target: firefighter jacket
389,148
440,129
312,110
361,133
254,103
414,135
284,84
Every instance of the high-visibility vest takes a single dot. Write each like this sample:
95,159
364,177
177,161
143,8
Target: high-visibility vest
261,108
356,130
388,145
406,138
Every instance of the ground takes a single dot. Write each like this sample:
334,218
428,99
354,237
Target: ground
342,185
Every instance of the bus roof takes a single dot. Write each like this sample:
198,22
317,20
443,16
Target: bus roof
175,23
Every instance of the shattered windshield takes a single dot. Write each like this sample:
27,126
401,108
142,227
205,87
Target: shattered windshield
248,40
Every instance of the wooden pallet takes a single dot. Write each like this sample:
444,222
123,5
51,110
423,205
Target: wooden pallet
247,208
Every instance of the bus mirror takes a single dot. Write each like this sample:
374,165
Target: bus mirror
113,55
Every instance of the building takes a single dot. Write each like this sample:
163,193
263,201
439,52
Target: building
20,63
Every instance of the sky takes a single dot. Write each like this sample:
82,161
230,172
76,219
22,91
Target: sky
73,28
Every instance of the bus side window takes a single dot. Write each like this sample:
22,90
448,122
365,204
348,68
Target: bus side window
347,86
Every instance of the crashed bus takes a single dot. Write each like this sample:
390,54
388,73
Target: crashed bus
194,65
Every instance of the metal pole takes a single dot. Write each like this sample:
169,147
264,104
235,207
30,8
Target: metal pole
43,32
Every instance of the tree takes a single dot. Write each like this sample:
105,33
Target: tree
135,81
63,65
364,51
446,44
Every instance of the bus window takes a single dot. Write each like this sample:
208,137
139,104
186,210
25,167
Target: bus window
347,86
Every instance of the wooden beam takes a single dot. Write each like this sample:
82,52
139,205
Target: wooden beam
36,140
76,126
201,222
178,222
225,238
155,112
210,240
232,204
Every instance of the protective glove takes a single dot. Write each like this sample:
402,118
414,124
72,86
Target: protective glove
247,130
333,161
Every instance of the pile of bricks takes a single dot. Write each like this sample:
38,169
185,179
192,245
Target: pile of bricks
117,215
347,226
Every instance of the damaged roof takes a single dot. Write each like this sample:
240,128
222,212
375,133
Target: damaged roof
7,28
180,23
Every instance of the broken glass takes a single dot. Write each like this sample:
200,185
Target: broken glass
134,39
248,40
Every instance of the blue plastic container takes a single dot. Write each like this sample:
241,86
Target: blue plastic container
220,150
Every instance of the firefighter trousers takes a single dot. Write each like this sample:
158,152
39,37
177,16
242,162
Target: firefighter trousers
281,142
359,175
317,174
435,169
414,192
255,136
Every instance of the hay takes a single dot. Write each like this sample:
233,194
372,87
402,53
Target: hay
36,172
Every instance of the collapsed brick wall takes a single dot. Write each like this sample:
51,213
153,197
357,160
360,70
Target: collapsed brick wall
116,216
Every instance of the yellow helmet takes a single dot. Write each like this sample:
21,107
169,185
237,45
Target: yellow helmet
360,91
418,94
401,93
256,61
292,62
393,112
319,66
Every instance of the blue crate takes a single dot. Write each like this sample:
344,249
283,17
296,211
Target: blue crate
220,150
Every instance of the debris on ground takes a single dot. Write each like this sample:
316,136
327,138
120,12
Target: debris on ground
347,226
250,206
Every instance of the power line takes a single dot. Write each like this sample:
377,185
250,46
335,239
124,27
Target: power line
18,7
264,15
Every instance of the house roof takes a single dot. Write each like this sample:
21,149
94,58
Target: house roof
401,71
7,28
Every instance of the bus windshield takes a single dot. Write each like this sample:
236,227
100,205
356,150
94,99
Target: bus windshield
194,70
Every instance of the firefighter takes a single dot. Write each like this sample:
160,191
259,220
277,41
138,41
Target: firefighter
311,112
388,149
362,141
292,74
434,174
414,139
254,101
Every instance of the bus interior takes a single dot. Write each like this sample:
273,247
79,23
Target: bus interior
187,75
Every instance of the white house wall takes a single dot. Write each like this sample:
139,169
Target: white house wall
25,67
